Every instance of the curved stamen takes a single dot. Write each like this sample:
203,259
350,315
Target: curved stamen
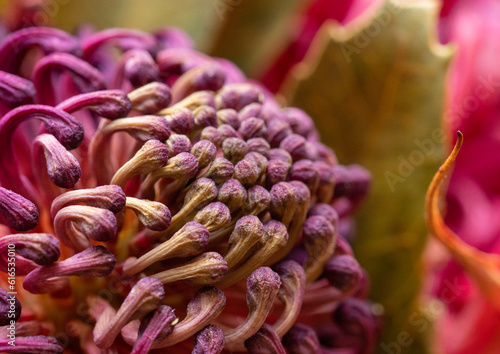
209,76
210,340
257,201
265,341
283,203
319,237
190,240
150,98
344,273
180,167
154,327
153,215
302,339
326,186
15,91
109,104
181,121
152,155
277,237
200,193
214,216
262,287
303,197
144,297
104,197
143,128
220,171
20,213
92,262
205,152
62,167
177,61
191,102
63,126
74,225
16,44
232,194
356,319
172,37
247,232
207,303
123,38
137,67
36,249
206,269
85,76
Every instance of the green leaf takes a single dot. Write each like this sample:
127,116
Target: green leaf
376,90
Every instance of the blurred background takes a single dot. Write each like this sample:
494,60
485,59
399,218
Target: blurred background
388,83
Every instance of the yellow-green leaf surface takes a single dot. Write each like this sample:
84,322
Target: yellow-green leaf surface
253,31
376,90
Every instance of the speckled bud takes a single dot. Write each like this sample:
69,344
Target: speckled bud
211,134
181,121
234,149
20,213
205,152
228,116
343,272
220,170
210,340
62,167
205,116
259,145
237,96
252,128
232,194
178,143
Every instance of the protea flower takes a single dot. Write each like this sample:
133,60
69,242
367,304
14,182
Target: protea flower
163,180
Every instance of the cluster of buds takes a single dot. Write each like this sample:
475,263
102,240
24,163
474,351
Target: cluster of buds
162,179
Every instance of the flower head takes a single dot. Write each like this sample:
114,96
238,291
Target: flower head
161,181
